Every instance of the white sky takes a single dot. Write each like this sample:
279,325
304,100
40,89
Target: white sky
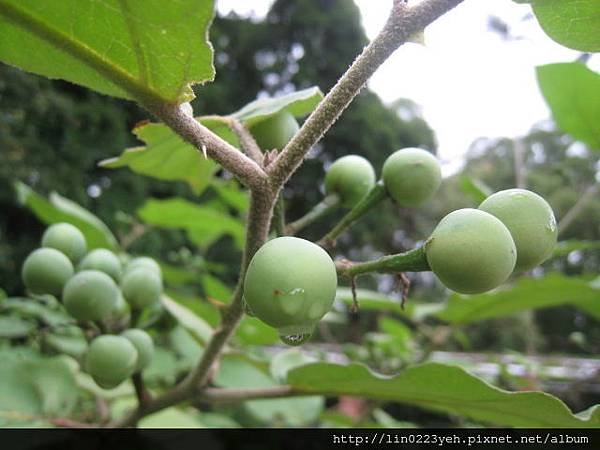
468,80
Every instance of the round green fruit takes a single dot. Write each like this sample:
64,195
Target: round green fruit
290,285
275,132
531,222
141,287
471,251
411,176
103,260
46,271
90,295
143,344
67,239
351,177
144,262
110,360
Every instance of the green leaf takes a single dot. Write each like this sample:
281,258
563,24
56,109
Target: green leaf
476,189
35,385
60,209
563,248
168,157
32,309
573,94
173,418
202,224
12,327
255,332
135,49
287,360
299,104
526,294
572,23
439,387
198,328
237,372
232,195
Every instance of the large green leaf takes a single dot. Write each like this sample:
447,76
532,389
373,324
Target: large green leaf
203,224
34,385
142,49
573,94
60,209
572,23
476,189
527,293
168,157
439,387
239,372
299,104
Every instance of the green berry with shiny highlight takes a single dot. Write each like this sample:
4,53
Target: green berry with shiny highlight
351,177
67,239
273,133
46,271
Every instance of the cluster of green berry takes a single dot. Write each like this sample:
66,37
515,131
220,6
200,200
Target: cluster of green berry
97,287
290,283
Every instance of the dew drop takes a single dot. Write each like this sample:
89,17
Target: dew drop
551,225
295,339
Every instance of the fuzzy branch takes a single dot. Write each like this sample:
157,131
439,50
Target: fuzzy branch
404,21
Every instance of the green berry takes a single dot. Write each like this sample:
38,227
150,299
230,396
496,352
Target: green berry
67,239
143,344
411,176
110,360
46,271
471,251
144,262
531,222
103,260
290,285
141,287
351,177
275,131
90,295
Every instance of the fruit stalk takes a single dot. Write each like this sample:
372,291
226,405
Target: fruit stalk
375,196
321,209
411,261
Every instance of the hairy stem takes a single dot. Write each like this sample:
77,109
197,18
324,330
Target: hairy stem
321,209
412,261
375,196
279,215
257,229
247,140
247,171
402,23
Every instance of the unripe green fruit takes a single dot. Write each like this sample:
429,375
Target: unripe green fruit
411,176
103,260
276,131
531,222
471,251
67,239
143,344
46,271
351,177
144,262
290,285
110,360
90,295
141,287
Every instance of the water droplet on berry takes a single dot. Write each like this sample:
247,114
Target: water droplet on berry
295,339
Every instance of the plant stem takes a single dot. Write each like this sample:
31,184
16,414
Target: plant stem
578,208
412,261
247,171
141,392
402,23
215,395
327,205
375,196
247,140
279,216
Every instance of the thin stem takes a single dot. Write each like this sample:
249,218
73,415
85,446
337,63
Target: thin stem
375,196
326,206
216,395
578,208
247,171
402,23
279,216
257,229
412,261
248,142
141,392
